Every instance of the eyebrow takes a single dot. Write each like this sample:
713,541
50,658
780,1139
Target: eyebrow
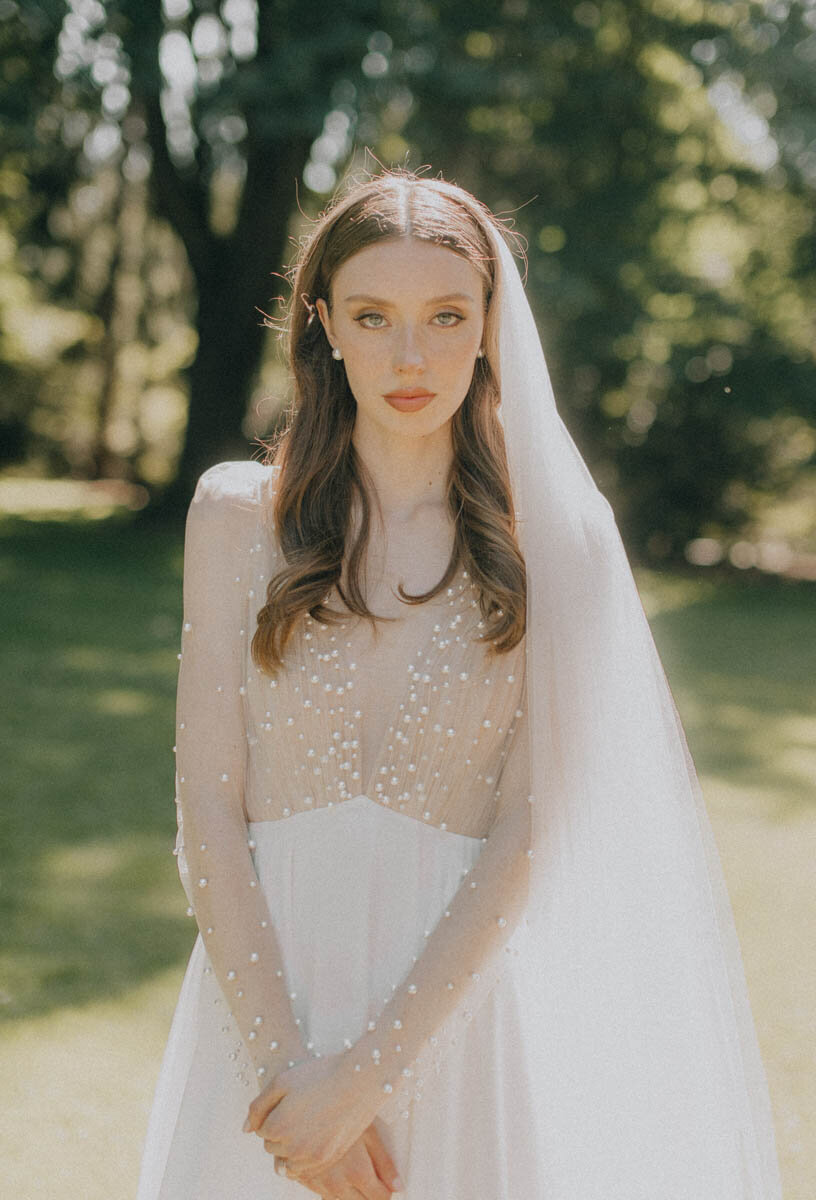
388,304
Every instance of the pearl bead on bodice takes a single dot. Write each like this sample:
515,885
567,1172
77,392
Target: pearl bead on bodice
418,719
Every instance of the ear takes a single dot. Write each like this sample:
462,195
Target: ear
325,320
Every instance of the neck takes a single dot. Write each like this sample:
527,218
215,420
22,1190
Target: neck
408,474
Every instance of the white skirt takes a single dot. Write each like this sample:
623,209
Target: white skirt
351,890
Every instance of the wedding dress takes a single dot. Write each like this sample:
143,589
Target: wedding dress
353,837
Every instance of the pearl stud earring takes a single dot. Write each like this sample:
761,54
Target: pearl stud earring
480,353
337,353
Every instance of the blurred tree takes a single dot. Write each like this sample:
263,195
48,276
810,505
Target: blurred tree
658,155
659,218
230,104
224,104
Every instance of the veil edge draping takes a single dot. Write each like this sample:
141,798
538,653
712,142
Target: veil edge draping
652,1082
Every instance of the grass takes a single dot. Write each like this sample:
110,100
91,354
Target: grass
92,918
89,902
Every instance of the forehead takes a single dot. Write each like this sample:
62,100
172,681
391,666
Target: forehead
396,267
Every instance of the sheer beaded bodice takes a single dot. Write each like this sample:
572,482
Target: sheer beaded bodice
422,720
428,738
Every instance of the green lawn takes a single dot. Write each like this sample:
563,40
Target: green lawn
92,918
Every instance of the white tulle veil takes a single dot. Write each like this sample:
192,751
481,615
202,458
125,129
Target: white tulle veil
652,1084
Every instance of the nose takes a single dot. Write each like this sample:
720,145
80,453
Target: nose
408,355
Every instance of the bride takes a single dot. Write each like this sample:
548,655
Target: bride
463,931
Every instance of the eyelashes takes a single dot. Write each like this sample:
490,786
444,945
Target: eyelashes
367,316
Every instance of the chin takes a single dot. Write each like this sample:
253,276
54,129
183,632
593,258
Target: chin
416,425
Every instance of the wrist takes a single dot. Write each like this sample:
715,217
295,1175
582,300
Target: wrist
269,1060
364,1080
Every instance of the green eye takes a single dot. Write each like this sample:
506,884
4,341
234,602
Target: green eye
372,316
447,324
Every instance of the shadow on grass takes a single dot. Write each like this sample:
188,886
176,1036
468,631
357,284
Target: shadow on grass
741,660
90,903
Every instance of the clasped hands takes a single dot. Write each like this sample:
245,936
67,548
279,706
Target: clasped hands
311,1117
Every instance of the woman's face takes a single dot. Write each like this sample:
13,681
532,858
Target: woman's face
408,317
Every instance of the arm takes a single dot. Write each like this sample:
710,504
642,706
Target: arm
462,958
211,748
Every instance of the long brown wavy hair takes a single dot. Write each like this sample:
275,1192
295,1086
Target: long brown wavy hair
320,473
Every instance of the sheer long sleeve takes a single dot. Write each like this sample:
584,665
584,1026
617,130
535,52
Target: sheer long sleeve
462,958
213,845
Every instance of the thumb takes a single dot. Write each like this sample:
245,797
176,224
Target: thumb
262,1105
382,1160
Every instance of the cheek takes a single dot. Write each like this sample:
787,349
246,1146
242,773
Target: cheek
366,356
467,344
461,362
365,378
365,369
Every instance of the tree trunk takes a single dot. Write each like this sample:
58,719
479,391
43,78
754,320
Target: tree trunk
234,279
229,351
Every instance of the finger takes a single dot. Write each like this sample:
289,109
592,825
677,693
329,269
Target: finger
343,1190
346,1179
381,1160
282,1169
272,1130
359,1177
332,1187
317,1185
325,1184
313,1177
262,1106
314,1163
370,1187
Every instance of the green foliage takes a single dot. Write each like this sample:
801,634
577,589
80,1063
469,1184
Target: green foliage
657,156
670,255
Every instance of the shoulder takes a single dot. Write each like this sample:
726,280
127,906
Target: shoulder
232,501
243,484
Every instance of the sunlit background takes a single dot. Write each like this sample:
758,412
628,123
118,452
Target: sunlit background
158,163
